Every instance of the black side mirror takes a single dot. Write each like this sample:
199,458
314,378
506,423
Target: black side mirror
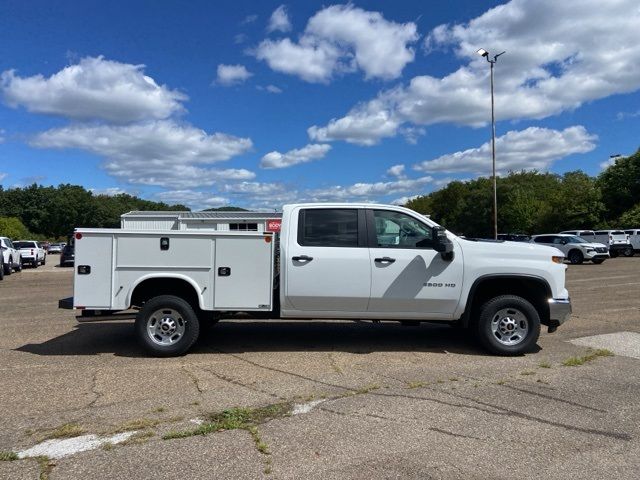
441,243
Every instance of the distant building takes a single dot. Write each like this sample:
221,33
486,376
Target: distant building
215,221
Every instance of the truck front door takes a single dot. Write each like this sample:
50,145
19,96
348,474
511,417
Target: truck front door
408,276
327,261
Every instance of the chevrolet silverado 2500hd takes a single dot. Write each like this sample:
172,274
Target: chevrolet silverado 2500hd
336,261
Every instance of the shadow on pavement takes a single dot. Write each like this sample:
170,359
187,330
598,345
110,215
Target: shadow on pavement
268,336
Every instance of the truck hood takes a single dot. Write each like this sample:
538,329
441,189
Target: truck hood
507,249
593,245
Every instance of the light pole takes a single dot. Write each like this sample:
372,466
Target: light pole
483,53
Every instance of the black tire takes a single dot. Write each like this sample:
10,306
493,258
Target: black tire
179,313
8,267
35,264
517,309
628,252
575,257
44,260
613,253
19,267
598,261
1,266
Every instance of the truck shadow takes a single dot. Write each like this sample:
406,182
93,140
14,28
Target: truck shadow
118,338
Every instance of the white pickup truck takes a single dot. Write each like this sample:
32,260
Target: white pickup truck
31,252
336,261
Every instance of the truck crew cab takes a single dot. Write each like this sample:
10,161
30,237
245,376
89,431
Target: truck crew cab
336,261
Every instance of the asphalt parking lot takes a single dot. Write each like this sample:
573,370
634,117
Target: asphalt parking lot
319,400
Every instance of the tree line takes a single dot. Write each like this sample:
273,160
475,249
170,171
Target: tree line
41,213
533,202
528,202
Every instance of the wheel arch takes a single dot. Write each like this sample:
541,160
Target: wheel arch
154,285
532,288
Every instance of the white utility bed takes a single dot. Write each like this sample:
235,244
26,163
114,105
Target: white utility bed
230,271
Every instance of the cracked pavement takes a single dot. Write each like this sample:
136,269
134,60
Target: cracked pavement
410,402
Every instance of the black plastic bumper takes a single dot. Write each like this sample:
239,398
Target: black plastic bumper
66,303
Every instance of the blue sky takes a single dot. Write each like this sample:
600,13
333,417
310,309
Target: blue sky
262,103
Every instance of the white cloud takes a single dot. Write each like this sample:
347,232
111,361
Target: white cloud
240,38
343,38
3,175
305,154
232,74
194,199
94,88
369,191
623,115
403,200
279,20
249,19
269,88
253,188
558,57
311,62
160,153
533,148
366,125
396,171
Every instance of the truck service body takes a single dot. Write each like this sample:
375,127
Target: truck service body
333,261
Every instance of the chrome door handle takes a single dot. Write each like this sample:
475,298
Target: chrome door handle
302,258
385,260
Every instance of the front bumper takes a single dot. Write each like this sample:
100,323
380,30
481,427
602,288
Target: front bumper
559,312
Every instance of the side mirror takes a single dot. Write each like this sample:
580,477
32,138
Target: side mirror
441,243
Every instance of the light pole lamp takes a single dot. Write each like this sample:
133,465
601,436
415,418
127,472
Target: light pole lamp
483,53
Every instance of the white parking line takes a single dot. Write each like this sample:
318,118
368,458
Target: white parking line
599,279
62,448
626,344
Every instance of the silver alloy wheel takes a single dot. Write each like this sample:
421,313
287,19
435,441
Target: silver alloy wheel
166,326
509,326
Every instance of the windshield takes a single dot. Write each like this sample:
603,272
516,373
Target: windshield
574,239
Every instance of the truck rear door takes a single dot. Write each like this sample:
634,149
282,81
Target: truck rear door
327,260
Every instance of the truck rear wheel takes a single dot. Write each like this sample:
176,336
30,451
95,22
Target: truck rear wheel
508,325
167,326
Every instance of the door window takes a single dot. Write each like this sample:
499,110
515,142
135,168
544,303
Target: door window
398,230
320,227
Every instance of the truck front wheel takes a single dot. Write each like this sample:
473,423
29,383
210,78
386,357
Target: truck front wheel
508,325
167,326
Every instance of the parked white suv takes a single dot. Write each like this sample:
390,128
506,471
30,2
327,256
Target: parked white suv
617,241
31,252
12,258
634,238
576,249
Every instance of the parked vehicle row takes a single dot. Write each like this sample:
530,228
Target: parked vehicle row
585,245
617,241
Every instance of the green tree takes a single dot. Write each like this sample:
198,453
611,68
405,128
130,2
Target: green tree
13,228
630,218
620,185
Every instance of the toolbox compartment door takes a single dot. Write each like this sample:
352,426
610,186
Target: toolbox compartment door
243,273
92,279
